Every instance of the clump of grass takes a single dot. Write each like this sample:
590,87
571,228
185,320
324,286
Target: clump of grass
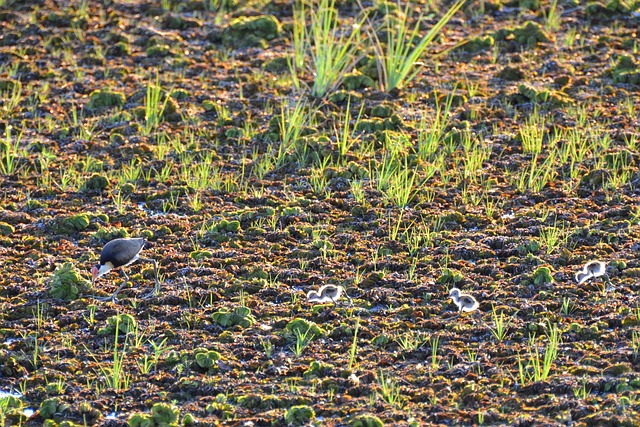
410,341
389,390
115,377
10,152
303,339
399,61
430,134
582,391
12,98
154,107
501,325
551,238
534,368
331,49
354,346
531,134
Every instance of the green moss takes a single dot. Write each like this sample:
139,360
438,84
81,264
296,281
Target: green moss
106,234
121,48
70,224
200,254
376,124
628,77
123,322
619,159
318,369
530,246
147,234
626,70
12,408
528,4
344,95
208,105
299,415
382,111
106,98
611,8
67,282
171,106
240,316
221,408
366,420
158,50
233,133
172,21
58,19
450,276
206,359
255,401
529,34
222,231
357,80
179,94
302,326
511,74
552,97
79,221
251,31
381,340
617,369
478,44
277,65
140,420
188,419
127,188
33,204
6,229
625,63
541,276
632,272
165,414
7,85
163,230
51,407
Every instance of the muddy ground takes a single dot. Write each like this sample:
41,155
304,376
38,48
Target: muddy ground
248,206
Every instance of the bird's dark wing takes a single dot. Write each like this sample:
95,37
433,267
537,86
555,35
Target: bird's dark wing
121,251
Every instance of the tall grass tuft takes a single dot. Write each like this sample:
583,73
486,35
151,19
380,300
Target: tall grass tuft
534,368
399,61
332,49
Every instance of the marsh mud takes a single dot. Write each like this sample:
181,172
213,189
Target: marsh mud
507,163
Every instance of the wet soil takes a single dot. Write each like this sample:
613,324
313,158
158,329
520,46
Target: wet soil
238,255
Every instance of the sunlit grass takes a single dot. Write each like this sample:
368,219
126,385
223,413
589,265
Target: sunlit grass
399,60
331,49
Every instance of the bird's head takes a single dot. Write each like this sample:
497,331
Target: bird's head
94,273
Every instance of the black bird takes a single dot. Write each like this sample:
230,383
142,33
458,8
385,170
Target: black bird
120,253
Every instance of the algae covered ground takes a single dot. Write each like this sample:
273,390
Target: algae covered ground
265,149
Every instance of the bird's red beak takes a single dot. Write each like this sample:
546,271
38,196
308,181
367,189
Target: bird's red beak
94,273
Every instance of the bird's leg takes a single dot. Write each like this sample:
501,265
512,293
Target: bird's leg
610,286
349,298
456,316
122,285
156,290
477,316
